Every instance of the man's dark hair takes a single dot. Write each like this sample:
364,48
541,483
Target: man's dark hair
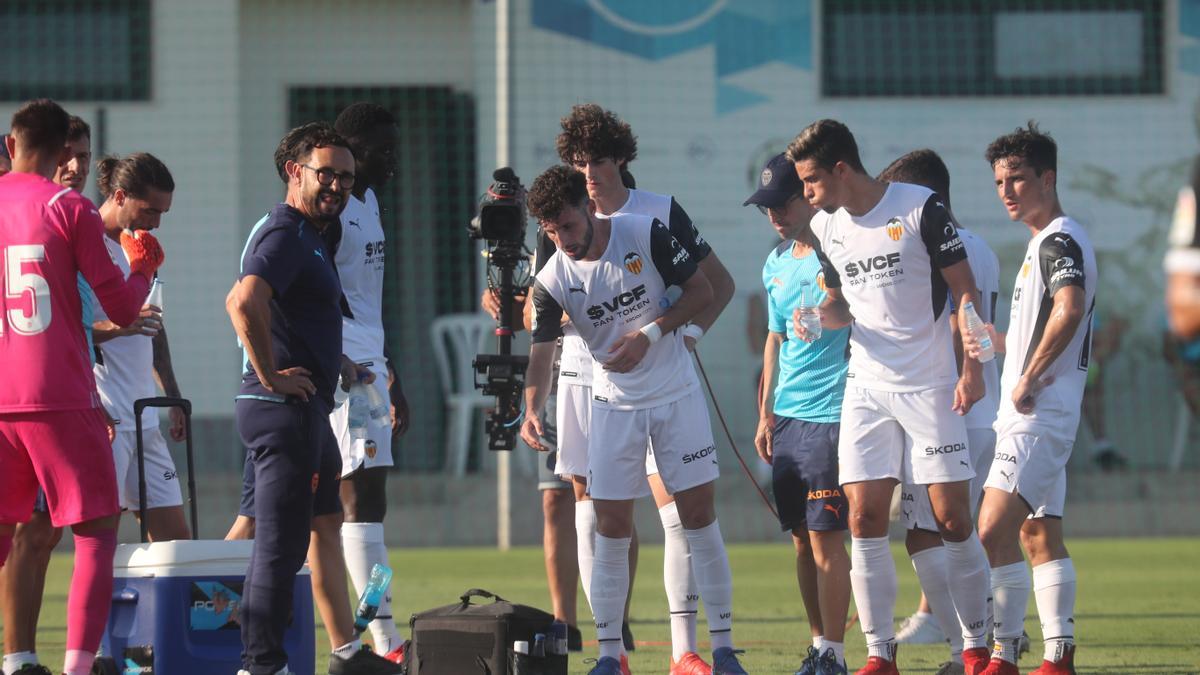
298,144
77,129
920,167
136,174
361,118
826,142
591,132
41,126
4,147
1026,145
558,189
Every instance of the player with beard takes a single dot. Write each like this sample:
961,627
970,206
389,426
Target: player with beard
610,278
287,308
601,145
900,260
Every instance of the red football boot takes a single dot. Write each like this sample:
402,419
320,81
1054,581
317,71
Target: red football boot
1063,666
877,665
975,660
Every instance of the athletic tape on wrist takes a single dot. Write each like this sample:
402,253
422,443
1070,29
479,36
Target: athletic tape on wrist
651,331
693,331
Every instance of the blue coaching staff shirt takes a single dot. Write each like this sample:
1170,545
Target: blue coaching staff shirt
289,253
812,376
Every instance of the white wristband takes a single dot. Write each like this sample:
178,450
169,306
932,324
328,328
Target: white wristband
651,331
693,331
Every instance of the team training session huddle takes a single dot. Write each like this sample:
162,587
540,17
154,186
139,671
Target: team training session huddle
879,383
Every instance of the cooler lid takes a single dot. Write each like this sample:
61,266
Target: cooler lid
184,559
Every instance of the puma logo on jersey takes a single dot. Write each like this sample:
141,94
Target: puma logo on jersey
1007,475
836,241
353,223
576,290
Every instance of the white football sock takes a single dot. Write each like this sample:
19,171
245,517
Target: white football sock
873,580
839,650
818,642
1054,591
585,543
966,569
1010,593
14,661
363,547
348,650
682,597
610,586
715,581
930,565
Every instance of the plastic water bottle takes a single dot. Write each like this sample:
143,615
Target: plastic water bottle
378,408
359,411
978,331
558,638
368,604
810,314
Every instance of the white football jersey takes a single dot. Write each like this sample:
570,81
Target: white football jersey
125,366
360,264
608,298
574,361
986,268
889,261
1060,255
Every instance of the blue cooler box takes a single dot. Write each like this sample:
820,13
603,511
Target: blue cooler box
174,610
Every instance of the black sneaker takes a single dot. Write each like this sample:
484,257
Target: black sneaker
364,662
574,639
32,669
627,637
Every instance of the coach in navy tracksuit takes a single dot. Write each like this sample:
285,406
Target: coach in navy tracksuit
286,308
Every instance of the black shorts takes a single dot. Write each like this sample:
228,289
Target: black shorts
300,430
804,474
546,461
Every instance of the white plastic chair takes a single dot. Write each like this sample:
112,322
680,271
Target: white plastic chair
457,338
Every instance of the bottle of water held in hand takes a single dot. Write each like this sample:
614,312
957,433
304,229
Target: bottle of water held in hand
358,411
810,314
368,604
979,331
155,297
378,408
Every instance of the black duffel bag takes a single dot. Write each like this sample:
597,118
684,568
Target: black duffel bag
470,639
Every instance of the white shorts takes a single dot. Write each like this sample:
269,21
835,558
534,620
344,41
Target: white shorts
916,511
1031,460
573,413
572,417
162,481
376,449
680,434
912,437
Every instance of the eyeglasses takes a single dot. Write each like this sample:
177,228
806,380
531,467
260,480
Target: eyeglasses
326,176
777,210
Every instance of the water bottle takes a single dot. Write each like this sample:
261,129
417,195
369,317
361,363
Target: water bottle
558,638
155,297
538,648
810,314
368,604
359,411
978,331
379,410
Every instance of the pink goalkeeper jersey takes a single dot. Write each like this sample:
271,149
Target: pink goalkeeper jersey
48,236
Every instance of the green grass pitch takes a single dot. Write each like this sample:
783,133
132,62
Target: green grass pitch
1138,610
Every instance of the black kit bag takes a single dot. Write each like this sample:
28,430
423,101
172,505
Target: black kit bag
477,639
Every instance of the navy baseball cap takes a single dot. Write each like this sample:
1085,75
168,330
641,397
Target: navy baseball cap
776,184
